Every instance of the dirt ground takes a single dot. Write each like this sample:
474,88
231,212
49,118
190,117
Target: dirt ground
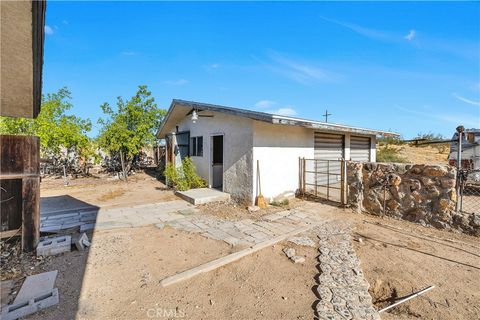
422,155
109,192
118,277
406,258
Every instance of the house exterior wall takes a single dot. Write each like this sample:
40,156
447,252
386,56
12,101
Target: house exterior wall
278,148
16,59
237,151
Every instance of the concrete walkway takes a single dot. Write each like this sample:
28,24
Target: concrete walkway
88,218
246,232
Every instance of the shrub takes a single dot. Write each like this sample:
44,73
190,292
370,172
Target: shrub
390,140
184,177
389,154
281,203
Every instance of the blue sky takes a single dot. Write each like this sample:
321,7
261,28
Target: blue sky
407,67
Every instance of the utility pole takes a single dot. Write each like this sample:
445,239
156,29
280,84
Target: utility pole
326,115
460,130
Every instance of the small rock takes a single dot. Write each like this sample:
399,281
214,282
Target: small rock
302,241
186,212
212,302
284,298
160,225
289,252
297,259
359,240
252,209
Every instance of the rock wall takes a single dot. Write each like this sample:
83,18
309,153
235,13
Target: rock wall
419,193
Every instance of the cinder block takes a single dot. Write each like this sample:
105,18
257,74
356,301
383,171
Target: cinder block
53,246
22,309
81,242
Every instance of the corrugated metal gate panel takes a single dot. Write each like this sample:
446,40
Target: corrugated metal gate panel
328,146
360,148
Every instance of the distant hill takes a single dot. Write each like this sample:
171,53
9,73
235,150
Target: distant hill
437,154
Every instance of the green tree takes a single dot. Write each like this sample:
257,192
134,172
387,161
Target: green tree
131,127
55,128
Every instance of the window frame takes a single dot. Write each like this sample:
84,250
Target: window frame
194,143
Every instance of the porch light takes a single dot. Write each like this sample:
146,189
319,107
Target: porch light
194,116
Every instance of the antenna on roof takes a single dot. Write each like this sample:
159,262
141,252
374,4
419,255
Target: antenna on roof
326,115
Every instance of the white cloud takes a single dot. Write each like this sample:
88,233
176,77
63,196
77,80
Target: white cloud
475,103
65,22
215,66
411,35
179,82
48,30
287,111
265,104
364,31
129,53
465,49
454,118
300,71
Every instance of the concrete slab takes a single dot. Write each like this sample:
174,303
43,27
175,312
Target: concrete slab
22,309
36,286
203,195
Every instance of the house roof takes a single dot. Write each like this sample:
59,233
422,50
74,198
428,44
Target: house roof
179,109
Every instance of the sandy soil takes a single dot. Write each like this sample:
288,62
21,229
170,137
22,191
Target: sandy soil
239,212
407,258
103,192
423,155
118,278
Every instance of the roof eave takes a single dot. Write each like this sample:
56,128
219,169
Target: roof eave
331,127
270,118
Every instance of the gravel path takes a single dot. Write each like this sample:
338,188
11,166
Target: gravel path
342,289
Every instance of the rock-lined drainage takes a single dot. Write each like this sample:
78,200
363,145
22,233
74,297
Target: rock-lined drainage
342,289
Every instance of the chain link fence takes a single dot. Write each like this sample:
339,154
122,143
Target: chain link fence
469,190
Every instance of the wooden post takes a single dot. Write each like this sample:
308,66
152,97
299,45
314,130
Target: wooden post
316,176
304,176
31,213
20,173
342,182
300,183
328,179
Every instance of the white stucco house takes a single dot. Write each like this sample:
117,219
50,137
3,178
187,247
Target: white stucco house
225,144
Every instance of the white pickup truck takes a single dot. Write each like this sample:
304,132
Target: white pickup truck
470,153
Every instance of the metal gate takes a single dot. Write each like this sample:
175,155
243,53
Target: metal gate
323,179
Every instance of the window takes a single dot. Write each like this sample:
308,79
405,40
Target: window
182,143
196,146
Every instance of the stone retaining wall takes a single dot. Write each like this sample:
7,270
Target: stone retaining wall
420,193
